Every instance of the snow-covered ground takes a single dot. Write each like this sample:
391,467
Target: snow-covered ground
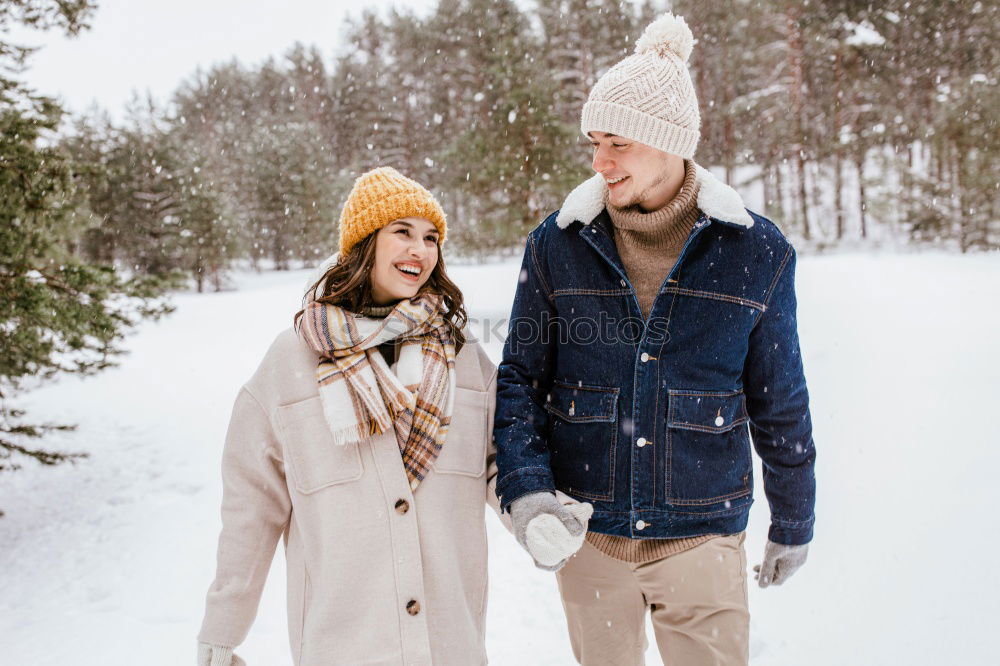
107,562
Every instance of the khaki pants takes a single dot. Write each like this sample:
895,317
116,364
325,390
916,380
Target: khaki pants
697,598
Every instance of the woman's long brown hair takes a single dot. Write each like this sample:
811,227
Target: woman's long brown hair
348,285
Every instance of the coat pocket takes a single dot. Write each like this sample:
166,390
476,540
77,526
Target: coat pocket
583,434
464,450
708,457
707,411
315,460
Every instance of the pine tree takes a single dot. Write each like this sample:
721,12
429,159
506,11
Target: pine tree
208,236
296,180
212,123
58,313
854,118
508,148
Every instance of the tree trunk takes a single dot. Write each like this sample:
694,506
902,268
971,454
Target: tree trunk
779,190
859,163
279,252
766,183
838,186
838,157
803,194
729,142
964,233
795,58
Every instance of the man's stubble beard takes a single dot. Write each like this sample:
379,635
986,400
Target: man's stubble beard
632,205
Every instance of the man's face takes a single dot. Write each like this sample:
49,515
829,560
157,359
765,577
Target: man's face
636,174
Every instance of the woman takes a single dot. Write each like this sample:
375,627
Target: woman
364,439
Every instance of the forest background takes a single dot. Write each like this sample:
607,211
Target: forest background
849,123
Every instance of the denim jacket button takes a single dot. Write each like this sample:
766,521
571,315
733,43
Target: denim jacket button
719,421
622,282
641,442
644,357
640,525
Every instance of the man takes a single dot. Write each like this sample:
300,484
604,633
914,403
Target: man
653,332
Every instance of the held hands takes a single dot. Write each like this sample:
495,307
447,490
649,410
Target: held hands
780,562
216,655
549,530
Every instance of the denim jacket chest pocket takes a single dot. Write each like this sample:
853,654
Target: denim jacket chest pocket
583,434
708,459
313,458
464,450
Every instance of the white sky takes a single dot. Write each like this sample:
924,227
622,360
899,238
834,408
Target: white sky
140,45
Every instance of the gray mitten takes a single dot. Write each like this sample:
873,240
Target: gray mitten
550,531
780,562
217,655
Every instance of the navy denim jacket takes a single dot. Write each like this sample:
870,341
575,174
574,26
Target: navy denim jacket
651,420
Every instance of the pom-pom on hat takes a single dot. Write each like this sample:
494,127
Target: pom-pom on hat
381,196
649,97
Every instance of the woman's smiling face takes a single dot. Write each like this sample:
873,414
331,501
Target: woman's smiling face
406,251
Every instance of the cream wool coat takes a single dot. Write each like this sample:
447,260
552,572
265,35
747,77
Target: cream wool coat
377,575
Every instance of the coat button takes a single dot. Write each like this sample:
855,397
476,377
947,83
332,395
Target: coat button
413,607
644,357
622,282
402,506
641,442
640,525
719,421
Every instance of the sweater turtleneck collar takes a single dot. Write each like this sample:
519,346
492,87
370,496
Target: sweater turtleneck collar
377,311
670,224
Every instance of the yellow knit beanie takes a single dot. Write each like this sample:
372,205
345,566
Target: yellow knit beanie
381,196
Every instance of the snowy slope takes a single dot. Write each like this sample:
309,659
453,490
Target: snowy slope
107,562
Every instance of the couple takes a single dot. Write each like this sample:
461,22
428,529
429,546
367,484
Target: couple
621,461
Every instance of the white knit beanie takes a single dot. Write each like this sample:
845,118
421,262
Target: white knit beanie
648,97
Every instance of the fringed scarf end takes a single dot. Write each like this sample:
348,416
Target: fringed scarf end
354,434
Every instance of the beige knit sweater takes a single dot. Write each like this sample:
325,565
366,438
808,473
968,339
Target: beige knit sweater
649,245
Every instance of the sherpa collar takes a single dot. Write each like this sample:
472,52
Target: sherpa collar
716,199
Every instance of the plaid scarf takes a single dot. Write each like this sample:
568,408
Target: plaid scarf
360,394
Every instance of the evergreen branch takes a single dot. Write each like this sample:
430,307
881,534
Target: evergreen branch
48,458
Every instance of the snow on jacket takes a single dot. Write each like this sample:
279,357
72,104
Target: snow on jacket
651,420
377,575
